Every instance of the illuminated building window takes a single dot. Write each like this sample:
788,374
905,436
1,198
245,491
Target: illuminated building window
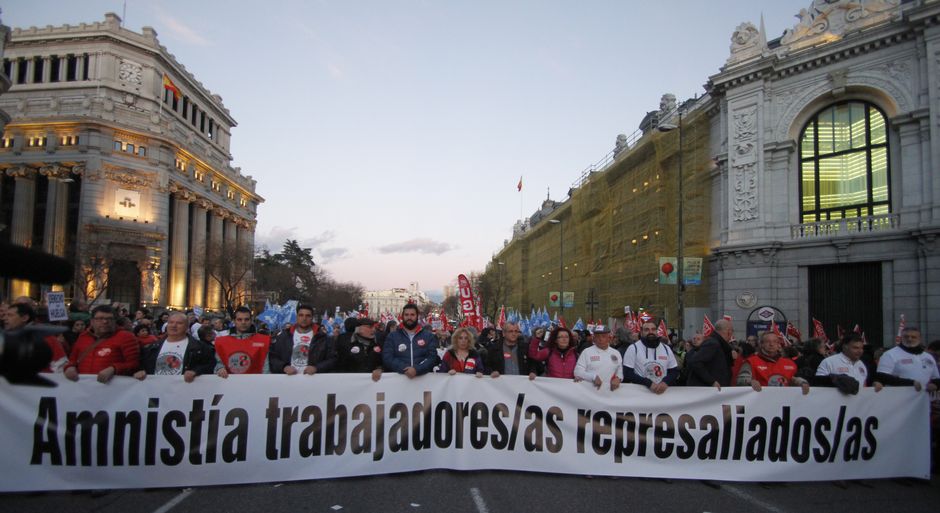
36,142
216,186
68,140
180,165
7,142
844,171
231,194
199,175
243,201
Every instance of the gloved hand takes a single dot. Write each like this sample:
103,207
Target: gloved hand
846,384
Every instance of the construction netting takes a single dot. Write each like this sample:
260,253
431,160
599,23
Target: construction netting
615,227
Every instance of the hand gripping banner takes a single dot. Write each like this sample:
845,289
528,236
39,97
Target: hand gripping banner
264,428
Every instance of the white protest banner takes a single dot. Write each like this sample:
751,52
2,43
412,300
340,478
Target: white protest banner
55,302
263,428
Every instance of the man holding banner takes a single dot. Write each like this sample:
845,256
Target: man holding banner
410,350
244,352
302,348
179,355
103,351
710,365
650,362
769,367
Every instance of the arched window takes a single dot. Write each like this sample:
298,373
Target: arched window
844,163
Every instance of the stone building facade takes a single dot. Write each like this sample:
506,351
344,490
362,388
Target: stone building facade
825,199
105,165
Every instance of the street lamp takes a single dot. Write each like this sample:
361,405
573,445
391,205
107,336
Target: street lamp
680,281
502,290
561,263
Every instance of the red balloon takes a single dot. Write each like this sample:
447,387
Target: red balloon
554,297
667,268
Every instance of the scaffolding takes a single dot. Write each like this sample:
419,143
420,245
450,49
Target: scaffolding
617,224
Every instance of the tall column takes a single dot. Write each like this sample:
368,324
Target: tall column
57,202
197,261
179,259
21,231
214,299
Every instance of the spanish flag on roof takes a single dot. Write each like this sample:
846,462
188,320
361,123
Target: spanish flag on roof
170,86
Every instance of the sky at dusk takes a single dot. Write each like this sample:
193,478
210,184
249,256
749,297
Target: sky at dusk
389,135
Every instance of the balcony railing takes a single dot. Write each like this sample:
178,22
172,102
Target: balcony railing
844,227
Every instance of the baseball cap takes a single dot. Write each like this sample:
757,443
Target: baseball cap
601,328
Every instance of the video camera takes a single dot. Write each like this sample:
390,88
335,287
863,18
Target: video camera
23,352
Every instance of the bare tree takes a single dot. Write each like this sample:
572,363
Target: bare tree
229,265
91,273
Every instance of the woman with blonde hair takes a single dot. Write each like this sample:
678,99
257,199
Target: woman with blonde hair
461,357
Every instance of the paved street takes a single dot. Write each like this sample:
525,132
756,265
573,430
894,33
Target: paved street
482,492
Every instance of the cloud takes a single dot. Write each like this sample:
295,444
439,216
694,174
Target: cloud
332,254
422,245
180,30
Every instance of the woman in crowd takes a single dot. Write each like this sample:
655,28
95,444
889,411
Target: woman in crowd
559,354
77,327
461,357
144,337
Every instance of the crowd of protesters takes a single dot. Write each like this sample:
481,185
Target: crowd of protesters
108,341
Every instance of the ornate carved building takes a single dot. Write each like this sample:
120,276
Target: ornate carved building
103,164
826,202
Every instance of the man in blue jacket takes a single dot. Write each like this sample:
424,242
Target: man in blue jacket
410,350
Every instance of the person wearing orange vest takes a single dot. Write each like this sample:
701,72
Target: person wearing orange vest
767,367
244,351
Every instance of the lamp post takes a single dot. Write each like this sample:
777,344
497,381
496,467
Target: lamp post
502,291
561,263
680,280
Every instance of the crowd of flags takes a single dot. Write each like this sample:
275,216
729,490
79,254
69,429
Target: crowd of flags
277,316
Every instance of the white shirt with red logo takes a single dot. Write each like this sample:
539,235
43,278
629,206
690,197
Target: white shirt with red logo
298,355
170,358
840,364
919,367
652,364
594,362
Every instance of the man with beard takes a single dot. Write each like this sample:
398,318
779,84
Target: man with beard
302,348
768,367
360,353
650,362
510,355
907,364
410,350
243,351
710,365
179,355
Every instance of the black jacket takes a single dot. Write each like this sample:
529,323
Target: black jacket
495,360
320,353
199,357
358,354
711,362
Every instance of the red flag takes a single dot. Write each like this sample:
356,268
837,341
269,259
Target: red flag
502,317
519,186
707,327
776,331
561,322
818,331
858,329
662,331
467,304
444,322
793,331
901,326
629,322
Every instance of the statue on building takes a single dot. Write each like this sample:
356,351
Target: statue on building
621,144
